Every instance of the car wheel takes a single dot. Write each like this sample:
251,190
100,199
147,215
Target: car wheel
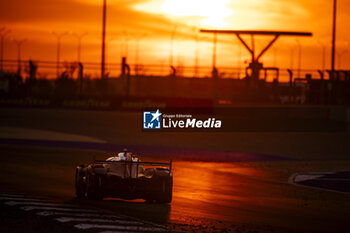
165,191
79,182
93,186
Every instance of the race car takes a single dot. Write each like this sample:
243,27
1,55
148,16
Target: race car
124,176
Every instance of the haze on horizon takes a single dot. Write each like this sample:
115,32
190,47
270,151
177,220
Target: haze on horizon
153,21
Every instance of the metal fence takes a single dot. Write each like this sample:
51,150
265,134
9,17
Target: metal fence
51,70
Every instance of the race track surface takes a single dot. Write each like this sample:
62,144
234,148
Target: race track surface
229,182
213,197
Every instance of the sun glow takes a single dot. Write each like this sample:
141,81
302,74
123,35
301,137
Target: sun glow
205,12
212,12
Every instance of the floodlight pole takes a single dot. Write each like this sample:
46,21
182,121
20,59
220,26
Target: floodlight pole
323,46
196,58
214,51
126,45
103,40
239,60
3,33
58,54
334,33
171,54
79,38
137,54
340,55
19,45
299,58
291,57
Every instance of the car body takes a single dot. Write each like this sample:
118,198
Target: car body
125,176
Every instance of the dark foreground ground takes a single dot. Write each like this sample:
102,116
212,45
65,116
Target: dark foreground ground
232,196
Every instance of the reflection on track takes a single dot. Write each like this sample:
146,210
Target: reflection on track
212,190
81,218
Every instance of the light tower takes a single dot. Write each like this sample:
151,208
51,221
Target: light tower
3,33
19,45
79,38
334,33
137,41
103,39
59,37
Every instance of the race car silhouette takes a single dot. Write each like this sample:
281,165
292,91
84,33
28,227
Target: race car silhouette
125,176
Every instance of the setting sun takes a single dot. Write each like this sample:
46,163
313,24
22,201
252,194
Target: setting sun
196,12
213,13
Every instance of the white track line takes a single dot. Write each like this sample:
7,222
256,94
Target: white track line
20,199
28,208
119,232
50,213
125,228
291,180
98,220
48,209
11,195
300,178
13,203
334,179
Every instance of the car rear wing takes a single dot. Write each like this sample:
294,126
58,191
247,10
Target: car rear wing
138,163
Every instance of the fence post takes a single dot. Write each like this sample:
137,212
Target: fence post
81,77
291,90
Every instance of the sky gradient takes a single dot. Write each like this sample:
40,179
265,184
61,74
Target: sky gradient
155,20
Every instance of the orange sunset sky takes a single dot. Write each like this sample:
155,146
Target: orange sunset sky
155,20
